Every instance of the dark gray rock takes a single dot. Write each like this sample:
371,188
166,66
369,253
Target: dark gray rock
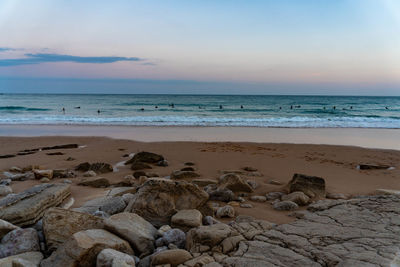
19,241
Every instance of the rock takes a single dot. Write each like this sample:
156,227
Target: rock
373,167
299,198
15,169
138,174
231,243
253,184
140,166
225,211
174,257
27,207
333,233
67,181
220,194
275,182
83,247
162,163
19,241
249,227
188,169
98,167
43,174
70,159
173,236
163,229
274,195
44,180
5,190
146,157
234,203
199,261
258,198
250,169
234,182
29,259
388,192
312,186
140,233
110,205
89,174
63,174
112,258
184,175
95,182
158,199
20,176
203,182
6,227
246,205
152,174
211,236
120,191
59,224
66,146
337,196
209,220
5,182
186,219
127,197
285,205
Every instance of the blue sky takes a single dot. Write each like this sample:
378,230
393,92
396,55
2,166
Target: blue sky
245,47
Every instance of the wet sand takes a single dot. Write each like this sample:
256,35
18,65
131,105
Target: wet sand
336,164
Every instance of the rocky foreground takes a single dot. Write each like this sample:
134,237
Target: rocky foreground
179,221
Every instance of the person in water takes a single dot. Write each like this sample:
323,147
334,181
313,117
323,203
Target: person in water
98,111
220,106
63,110
241,106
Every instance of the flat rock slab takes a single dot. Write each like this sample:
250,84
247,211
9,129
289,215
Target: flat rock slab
358,232
28,207
33,258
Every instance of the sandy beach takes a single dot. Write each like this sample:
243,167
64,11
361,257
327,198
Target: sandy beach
336,164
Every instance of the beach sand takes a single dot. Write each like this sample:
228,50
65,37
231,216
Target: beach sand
336,164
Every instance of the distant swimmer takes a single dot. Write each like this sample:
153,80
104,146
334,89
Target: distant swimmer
220,106
156,106
291,107
280,107
324,108
98,111
63,110
142,109
77,107
386,108
298,106
334,107
241,106
351,107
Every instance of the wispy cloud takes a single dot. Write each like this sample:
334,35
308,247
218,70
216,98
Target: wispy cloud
44,58
4,49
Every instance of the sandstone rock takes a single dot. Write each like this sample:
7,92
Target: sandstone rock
211,236
59,224
5,182
186,219
184,175
199,261
275,182
234,203
209,220
43,174
138,174
162,163
110,205
63,174
312,186
337,196
203,182
95,182
28,207
231,243
146,157
6,227
120,191
158,199
258,198
29,259
249,169
19,241
274,195
189,163
246,205
373,167
388,192
98,167
140,233
113,258
163,229
84,246
220,194
173,236
89,174
249,227
285,205
253,184
15,169
188,169
140,166
225,211
234,182
299,198
174,257
127,197
5,190
83,167
44,180
19,176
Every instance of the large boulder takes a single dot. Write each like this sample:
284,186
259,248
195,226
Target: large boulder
27,207
27,259
140,233
83,247
158,199
59,224
6,227
146,157
19,241
174,257
234,182
187,219
312,186
113,258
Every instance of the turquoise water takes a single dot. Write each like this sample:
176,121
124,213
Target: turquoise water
201,110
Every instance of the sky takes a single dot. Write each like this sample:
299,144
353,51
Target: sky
345,47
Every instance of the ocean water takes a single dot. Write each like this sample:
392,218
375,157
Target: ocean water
201,110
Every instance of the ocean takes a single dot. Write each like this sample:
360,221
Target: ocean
202,110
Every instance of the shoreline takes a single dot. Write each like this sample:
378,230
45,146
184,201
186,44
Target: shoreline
377,138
